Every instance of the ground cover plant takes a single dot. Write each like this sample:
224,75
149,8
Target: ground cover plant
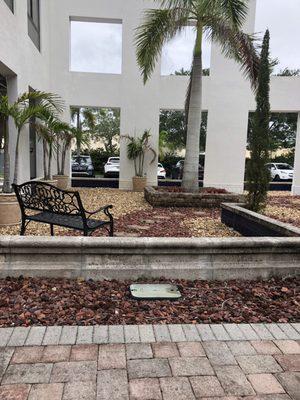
33,301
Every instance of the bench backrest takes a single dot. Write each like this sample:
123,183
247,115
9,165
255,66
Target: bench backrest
40,196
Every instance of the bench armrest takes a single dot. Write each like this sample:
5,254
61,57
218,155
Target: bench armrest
104,209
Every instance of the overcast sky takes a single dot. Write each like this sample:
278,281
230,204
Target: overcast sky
97,47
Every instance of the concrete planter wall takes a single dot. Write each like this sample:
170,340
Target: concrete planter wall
124,258
207,200
250,223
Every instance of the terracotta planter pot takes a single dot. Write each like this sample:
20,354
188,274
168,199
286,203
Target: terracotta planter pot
9,210
139,183
50,181
62,181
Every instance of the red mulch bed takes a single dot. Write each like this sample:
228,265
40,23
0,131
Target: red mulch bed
162,222
26,301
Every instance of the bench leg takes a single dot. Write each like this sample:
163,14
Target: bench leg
52,230
111,229
23,228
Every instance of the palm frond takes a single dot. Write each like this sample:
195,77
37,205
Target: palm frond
159,27
50,101
236,45
235,11
176,3
4,106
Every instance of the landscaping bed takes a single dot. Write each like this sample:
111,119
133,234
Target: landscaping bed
28,301
284,207
134,217
206,197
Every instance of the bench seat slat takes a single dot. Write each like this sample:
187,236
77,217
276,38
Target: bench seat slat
68,221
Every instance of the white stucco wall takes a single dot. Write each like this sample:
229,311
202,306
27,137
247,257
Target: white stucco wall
227,95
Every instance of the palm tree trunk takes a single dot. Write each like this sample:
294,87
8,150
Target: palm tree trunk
78,142
58,149
49,161
190,179
63,159
45,159
6,180
16,173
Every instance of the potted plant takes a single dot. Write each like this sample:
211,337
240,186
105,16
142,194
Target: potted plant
136,151
27,106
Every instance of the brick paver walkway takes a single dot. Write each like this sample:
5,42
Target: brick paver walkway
174,362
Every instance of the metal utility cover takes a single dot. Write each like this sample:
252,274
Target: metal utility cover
155,291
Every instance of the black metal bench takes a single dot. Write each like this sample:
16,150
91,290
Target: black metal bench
58,207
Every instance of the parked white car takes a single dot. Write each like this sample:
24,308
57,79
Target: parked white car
281,171
112,167
161,172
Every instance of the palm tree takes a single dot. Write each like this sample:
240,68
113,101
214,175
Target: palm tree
4,106
84,119
28,106
219,20
53,133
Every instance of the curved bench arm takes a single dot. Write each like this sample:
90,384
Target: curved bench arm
104,209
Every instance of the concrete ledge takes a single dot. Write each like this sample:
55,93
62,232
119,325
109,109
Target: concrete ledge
250,223
132,258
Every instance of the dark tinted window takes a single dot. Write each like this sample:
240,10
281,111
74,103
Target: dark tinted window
284,166
33,11
10,4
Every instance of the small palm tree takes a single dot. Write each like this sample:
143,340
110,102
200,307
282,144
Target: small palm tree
53,133
28,106
4,112
137,149
219,20
64,137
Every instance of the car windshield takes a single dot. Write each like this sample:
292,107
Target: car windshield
82,160
284,166
114,160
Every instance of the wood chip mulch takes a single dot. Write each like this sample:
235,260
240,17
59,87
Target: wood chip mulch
284,207
36,301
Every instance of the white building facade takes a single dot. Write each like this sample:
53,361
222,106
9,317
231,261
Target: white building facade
35,53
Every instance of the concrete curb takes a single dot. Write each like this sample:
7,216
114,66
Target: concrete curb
132,258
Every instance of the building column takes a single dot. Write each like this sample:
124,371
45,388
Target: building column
139,103
296,181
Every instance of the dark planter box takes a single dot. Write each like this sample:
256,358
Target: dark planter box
204,200
249,223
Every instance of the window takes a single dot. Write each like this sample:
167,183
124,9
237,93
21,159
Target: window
96,47
10,4
33,12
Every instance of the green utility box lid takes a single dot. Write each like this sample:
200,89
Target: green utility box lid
155,291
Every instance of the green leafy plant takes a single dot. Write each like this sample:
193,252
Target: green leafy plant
137,148
258,176
221,21
106,128
28,106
